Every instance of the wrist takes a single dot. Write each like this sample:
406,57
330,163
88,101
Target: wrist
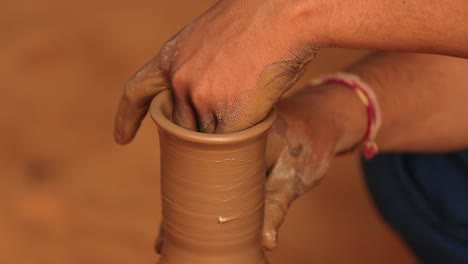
351,117
330,115
368,98
346,114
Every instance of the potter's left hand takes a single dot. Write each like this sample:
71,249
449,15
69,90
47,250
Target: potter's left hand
312,127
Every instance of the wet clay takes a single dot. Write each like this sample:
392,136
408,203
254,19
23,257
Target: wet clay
212,188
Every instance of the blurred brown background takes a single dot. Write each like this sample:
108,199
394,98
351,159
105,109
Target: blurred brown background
69,195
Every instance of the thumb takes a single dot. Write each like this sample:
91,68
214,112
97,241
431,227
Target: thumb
282,188
275,212
136,98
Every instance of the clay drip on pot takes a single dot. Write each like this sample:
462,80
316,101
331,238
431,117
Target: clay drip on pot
212,192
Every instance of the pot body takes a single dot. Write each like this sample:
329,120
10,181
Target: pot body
212,189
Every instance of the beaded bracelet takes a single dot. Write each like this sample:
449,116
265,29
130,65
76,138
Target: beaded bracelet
367,96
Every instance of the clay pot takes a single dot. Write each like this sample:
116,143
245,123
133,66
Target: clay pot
212,188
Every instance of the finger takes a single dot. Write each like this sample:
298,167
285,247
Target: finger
158,246
136,98
275,143
282,188
186,115
274,146
207,123
275,212
183,114
206,120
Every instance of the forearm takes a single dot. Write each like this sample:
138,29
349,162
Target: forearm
423,99
428,26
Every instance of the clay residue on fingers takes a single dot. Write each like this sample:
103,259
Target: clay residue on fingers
274,80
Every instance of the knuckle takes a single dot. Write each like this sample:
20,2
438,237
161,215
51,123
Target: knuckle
180,79
198,97
277,207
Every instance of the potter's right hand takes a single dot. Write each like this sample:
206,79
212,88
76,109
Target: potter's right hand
226,69
312,127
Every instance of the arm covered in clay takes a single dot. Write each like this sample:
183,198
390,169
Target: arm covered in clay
229,66
423,100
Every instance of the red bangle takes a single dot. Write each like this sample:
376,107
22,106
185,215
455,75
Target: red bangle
374,119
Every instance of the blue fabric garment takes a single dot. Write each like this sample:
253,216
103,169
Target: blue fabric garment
425,198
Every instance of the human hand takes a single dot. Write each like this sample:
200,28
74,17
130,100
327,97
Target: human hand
312,127
226,69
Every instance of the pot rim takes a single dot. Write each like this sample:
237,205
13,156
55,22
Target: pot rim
162,105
